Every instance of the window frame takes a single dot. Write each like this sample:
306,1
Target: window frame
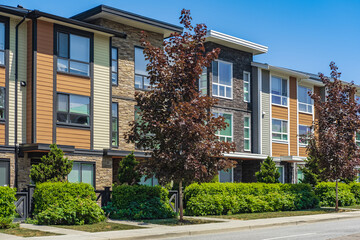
219,84
68,112
249,139
306,104
142,76
249,87
204,72
5,21
282,176
232,175
117,65
287,131
94,168
281,97
232,125
299,136
357,141
117,124
8,170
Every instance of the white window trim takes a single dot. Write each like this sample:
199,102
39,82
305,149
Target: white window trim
282,175
271,94
249,75
287,133
307,104
232,125
219,84
248,150
232,175
302,144
206,87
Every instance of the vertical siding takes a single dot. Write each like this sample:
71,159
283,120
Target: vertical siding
44,82
29,84
265,106
101,93
293,117
80,138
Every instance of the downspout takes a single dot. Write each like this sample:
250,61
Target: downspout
16,98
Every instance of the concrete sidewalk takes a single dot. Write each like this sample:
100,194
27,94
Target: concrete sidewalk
178,231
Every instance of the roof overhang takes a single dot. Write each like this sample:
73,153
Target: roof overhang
293,159
127,18
245,156
42,147
120,154
235,43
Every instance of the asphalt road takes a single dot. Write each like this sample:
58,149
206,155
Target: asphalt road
340,229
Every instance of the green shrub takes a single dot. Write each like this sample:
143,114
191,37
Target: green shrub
139,202
7,206
224,198
66,203
355,189
327,195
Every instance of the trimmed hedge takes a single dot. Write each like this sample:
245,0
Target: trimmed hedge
7,206
349,194
139,202
230,198
66,203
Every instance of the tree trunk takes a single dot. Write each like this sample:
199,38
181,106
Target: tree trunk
337,198
181,202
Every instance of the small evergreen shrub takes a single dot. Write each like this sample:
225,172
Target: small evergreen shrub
127,170
7,206
139,202
268,172
327,195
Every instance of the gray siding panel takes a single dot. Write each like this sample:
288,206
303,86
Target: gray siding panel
266,118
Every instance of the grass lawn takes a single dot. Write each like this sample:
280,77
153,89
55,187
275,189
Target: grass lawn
352,207
176,222
252,216
23,232
98,227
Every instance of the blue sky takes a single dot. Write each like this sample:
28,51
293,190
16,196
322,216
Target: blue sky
301,34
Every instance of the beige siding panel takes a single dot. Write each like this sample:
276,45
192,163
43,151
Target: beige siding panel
29,85
279,149
80,138
101,93
265,108
73,84
293,117
279,112
305,119
302,152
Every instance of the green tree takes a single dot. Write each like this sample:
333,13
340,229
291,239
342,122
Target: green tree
127,170
52,168
268,172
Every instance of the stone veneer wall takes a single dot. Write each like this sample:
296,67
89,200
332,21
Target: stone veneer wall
11,157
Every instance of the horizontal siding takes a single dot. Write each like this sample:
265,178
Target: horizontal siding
80,138
279,112
73,84
302,152
29,85
293,117
2,134
305,119
265,107
279,149
2,76
22,76
101,93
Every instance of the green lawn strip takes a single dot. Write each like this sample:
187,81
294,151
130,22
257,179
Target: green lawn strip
24,232
252,216
99,227
352,207
176,221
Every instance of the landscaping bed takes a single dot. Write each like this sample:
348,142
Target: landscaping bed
24,232
99,227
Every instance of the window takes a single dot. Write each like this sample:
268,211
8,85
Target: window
2,103
279,91
73,109
300,175
114,125
2,43
222,79
82,172
279,130
141,75
357,139
226,176
305,101
304,132
281,171
203,82
246,86
247,134
149,182
225,135
4,173
73,52
114,66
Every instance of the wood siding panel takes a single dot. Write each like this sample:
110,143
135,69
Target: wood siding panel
44,83
101,92
305,119
2,77
302,152
80,138
29,85
279,112
73,84
293,117
2,134
279,149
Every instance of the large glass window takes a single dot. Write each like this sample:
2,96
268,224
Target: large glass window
304,132
247,134
4,173
141,75
300,175
73,109
222,79
279,130
73,54
279,92
246,86
2,103
2,43
226,175
281,171
114,66
305,101
149,181
82,172
114,125
203,82
225,135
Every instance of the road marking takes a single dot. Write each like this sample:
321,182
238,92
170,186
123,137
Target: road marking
290,236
